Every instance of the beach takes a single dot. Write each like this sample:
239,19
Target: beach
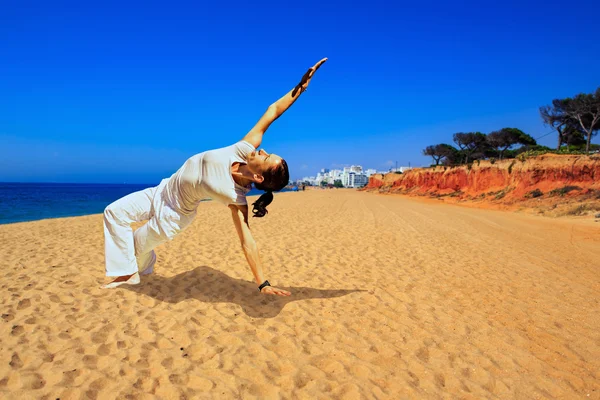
392,297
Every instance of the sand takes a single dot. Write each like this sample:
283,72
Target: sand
392,298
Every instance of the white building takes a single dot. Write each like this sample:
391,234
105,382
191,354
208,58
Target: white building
336,175
360,180
320,178
352,179
345,174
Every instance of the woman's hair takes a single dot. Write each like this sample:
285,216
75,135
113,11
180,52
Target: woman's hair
275,179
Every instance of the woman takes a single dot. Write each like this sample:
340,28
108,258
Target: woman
225,175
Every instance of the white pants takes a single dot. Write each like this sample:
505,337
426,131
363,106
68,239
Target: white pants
125,248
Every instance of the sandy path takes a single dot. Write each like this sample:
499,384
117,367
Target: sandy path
392,298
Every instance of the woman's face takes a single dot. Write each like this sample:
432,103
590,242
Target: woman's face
259,161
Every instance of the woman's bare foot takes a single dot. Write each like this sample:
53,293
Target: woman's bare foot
132,279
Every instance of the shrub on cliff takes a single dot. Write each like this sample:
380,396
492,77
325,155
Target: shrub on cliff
538,152
500,195
533,194
563,190
511,166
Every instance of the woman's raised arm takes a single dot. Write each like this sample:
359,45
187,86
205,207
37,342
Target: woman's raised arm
275,110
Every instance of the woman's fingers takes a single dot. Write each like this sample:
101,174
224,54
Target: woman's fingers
318,65
307,77
311,71
274,291
280,292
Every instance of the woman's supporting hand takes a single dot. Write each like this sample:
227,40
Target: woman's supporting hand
274,291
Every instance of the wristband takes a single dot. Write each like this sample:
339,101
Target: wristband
265,283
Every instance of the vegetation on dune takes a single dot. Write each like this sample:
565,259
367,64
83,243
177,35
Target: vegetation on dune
576,120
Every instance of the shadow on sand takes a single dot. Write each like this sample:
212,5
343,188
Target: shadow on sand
212,286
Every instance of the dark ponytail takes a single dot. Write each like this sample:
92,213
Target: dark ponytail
274,180
260,205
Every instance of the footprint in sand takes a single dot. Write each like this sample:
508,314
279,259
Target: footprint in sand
90,361
15,361
69,377
32,380
414,382
423,354
104,349
25,303
102,335
17,330
8,317
440,380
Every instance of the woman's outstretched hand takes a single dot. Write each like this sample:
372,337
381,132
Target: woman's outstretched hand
274,291
308,76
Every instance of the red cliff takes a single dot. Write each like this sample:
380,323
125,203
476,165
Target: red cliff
506,182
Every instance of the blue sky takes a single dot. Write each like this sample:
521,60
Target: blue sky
126,92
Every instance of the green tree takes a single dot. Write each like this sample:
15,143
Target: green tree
471,144
585,108
338,183
556,117
506,138
431,151
441,152
569,129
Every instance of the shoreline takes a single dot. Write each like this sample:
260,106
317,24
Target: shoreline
96,213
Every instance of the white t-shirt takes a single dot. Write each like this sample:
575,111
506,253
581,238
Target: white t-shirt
207,175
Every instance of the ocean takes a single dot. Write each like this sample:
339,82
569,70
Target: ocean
20,202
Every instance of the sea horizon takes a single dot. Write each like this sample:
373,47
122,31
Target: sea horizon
34,201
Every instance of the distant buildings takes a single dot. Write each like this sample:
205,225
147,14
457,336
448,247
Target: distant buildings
354,176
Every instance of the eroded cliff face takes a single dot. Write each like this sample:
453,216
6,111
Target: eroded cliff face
504,181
